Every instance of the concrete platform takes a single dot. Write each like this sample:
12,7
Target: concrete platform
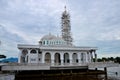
21,67
24,67
40,66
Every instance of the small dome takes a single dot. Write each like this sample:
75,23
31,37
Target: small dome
48,37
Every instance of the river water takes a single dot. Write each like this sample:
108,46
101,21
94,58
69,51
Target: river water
113,74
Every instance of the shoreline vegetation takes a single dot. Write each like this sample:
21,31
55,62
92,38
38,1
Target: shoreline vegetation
108,59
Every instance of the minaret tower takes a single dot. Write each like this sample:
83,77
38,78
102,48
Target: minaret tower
66,27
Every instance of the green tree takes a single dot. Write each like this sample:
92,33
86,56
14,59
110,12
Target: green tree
99,60
104,59
110,58
117,59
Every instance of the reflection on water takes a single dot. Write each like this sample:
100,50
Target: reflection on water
114,72
7,77
69,78
75,74
80,77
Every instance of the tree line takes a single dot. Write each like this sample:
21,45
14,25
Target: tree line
109,59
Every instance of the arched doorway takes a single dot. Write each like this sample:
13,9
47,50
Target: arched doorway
66,58
57,58
47,58
75,58
24,57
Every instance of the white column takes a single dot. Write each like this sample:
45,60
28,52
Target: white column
52,58
19,56
43,57
61,58
26,61
86,57
70,57
89,60
52,61
79,57
29,56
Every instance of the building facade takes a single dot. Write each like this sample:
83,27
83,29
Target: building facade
57,50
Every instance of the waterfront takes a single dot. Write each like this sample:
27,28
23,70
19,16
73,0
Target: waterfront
82,77
112,72
7,76
111,76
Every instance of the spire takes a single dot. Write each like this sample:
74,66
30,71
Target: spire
66,27
65,7
65,11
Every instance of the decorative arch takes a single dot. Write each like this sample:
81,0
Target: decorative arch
47,57
24,58
24,51
75,58
57,58
33,51
66,58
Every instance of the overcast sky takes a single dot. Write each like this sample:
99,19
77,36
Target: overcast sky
93,22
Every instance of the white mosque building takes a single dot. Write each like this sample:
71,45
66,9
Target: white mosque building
57,50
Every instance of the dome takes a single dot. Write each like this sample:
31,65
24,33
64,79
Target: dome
52,40
59,38
48,37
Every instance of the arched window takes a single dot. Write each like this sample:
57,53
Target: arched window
33,51
75,57
57,58
44,42
47,58
24,52
66,58
23,57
